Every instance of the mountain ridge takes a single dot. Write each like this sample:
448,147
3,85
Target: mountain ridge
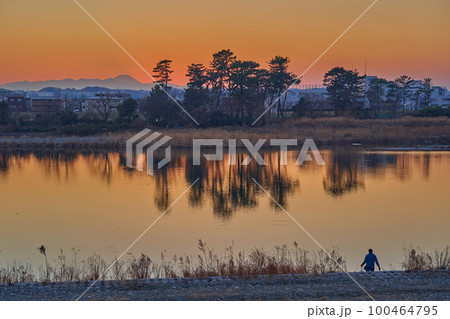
122,81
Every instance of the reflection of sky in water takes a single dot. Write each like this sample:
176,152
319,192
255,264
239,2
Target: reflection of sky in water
93,202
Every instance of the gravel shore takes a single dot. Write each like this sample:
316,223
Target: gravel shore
383,285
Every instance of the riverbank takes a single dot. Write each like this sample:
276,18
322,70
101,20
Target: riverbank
382,285
326,132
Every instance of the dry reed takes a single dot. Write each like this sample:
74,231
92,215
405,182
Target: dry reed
280,260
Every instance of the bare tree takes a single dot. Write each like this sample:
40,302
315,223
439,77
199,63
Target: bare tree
103,107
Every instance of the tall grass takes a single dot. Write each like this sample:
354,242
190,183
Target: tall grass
325,131
17,272
416,259
280,260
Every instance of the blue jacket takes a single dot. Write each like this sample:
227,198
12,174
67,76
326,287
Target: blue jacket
370,260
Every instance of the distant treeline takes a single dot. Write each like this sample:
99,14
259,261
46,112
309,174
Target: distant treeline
230,91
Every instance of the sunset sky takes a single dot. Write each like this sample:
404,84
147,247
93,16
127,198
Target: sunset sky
54,39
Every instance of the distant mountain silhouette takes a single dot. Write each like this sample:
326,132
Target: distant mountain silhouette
119,82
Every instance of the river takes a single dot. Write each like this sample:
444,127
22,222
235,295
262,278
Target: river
92,202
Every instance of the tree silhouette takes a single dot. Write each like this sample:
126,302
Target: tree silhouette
244,86
197,77
280,79
404,84
196,95
162,72
376,94
426,90
393,97
127,110
219,73
159,109
345,88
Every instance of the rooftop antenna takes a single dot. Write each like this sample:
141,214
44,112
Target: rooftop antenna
365,67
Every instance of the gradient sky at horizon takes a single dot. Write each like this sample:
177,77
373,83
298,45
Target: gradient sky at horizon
54,39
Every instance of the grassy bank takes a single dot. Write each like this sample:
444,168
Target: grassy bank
406,131
280,260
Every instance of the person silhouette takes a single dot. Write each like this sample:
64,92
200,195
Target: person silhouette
370,261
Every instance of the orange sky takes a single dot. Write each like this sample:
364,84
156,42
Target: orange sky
54,39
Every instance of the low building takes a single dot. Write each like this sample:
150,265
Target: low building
46,104
17,102
440,96
112,99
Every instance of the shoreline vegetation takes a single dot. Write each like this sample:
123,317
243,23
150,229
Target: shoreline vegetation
281,260
339,132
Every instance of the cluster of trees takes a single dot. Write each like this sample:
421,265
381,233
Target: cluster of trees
226,91
394,96
233,91
346,95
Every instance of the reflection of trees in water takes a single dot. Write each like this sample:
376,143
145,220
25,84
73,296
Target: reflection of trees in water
191,172
161,195
231,188
277,181
346,170
343,173
102,165
5,159
163,179
128,172
403,167
57,164
376,164
228,187
53,163
426,165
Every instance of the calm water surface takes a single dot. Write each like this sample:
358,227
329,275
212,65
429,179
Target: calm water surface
92,202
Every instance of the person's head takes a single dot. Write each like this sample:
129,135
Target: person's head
370,250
